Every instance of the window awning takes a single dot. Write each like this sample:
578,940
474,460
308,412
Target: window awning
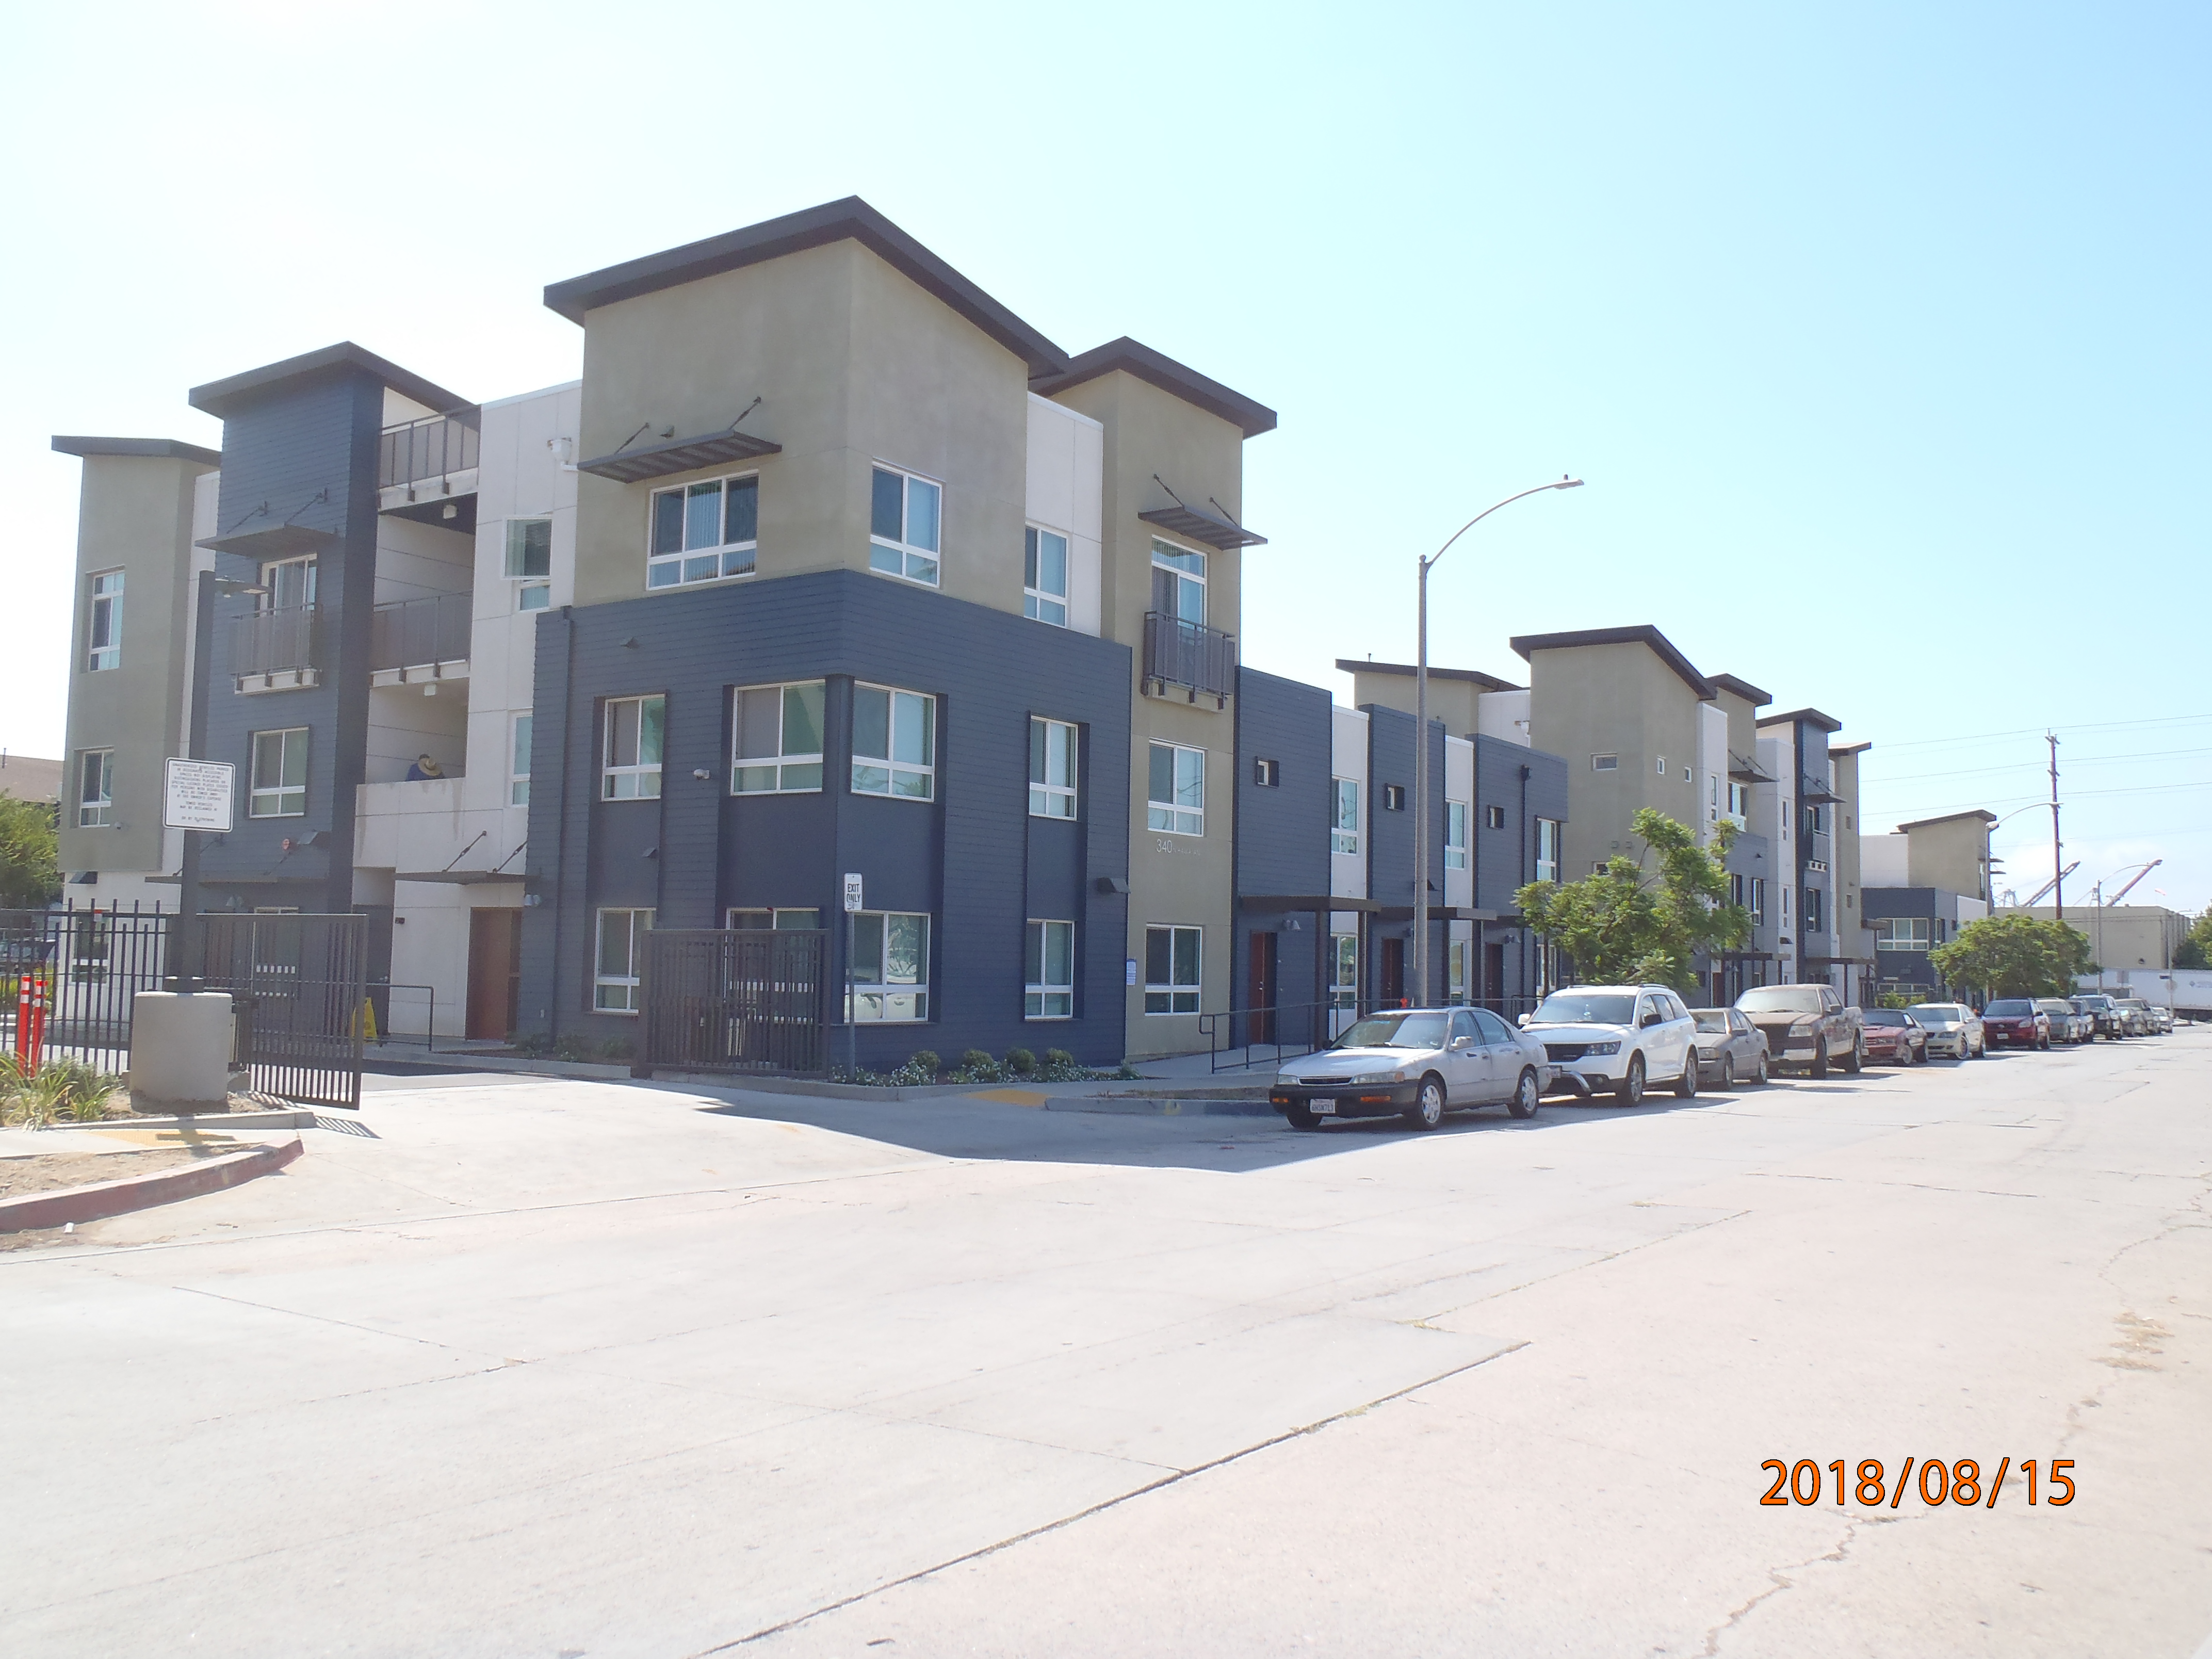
679,455
1303,902
1183,520
459,878
1746,771
278,541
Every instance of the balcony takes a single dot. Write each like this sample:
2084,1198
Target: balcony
1199,661
422,639
427,470
276,650
1819,852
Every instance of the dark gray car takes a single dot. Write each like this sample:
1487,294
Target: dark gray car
1731,1048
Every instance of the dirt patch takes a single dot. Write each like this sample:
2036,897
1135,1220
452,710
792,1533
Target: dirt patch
50,1172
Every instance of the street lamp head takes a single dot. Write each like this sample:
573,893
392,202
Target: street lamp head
1568,482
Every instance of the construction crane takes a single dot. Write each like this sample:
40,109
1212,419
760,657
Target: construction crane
2140,874
2036,897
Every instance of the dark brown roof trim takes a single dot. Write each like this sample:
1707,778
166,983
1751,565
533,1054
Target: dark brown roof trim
1849,747
1487,682
1744,688
219,398
1175,379
848,220
1645,635
1810,716
165,449
1950,817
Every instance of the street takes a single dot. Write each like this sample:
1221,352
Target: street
574,1368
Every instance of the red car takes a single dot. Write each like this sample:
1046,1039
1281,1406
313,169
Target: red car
2016,1023
1895,1037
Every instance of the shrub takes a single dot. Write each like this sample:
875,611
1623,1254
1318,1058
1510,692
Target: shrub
926,1062
575,1048
81,1093
617,1048
1060,1059
977,1060
530,1043
1021,1062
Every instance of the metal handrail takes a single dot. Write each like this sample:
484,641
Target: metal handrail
429,448
429,1034
1220,1031
1187,653
269,641
413,632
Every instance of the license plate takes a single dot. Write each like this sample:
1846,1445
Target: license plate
1325,1107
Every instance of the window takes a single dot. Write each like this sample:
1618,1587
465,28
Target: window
532,596
1605,763
1662,766
279,787
1494,816
893,745
1048,971
704,531
1171,956
902,525
1902,933
1268,774
1814,911
1735,887
1175,799
1393,797
622,948
529,547
103,633
518,763
1456,834
1686,778
784,921
1052,768
1548,849
890,968
1758,900
1740,800
631,768
776,739
1785,907
96,789
1179,583
1044,576
1456,972
1343,972
290,582
1344,829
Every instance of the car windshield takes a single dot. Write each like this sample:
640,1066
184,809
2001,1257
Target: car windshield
1711,1019
1781,1000
1585,1008
2010,1007
1887,1017
1937,1013
2092,1002
1396,1031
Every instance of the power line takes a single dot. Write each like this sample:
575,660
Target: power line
2038,800
2038,731
2015,766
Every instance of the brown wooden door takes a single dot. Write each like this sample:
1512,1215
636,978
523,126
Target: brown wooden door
1260,1023
494,972
1394,972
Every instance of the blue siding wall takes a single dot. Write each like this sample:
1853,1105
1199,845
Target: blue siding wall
1390,847
1529,784
972,859
1282,832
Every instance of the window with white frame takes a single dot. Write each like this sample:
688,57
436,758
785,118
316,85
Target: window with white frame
1266,774
530,561
1174,792
1052,768
1740,800
1393,797
517,763
1179,583
532,596
620,954
1904,932
775,738
1759,900
1605,763
1494,816
904,525
1044,576
1662,766
1344,825
1456,834
1548,849
290,582
630,767
1343,972
894,743
702,532
1456,972
103,633
1171,966
96,789
794,918
890,968
278,788
1048,971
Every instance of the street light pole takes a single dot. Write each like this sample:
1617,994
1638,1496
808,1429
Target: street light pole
1421,741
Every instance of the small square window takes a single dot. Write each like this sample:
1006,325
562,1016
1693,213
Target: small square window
1605,763
1393,797
532,596
1266,774
1494,816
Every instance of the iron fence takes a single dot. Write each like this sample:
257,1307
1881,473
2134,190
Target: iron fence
92,964
427,448
412,633
1179,653
272,641
734,1000
298,983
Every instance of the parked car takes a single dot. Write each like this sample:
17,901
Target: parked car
1417,1062
2016,1023
2164,1015
1953,1028
1620,1038
1730,1046
2137,1016
2106,1013
2068,1023
1894,1036
1807,1025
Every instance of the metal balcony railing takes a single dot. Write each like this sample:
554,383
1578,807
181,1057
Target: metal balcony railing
274,641
1178,653
427,448
1819,850
411,633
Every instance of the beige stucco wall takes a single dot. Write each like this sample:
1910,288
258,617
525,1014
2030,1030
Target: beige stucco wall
1453,701
1613,700
2121,936
135,514
1951,854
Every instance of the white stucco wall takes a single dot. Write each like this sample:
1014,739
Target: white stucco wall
1066,493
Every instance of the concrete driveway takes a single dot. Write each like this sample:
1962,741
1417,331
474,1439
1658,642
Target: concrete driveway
575,1369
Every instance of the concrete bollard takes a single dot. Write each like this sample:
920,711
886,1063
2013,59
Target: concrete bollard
181,1052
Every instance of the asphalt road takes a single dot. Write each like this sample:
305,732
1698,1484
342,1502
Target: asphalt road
569,1368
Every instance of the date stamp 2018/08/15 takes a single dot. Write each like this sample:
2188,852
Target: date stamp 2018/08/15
1806,1482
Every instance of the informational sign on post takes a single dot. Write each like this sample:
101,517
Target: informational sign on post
196,794
851,1029
852,894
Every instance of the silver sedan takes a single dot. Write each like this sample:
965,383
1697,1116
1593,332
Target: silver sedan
1418,1063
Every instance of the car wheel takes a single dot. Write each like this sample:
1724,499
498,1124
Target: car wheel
1299,1118
1819,1066
1685,1087
1428,1108
1728,1072
1629,1091
1857,1063
1525,1094
1761,1076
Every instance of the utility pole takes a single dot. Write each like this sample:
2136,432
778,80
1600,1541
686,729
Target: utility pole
2057,867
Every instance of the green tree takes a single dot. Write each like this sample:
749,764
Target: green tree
29,880
2196,951
2014,957
1643,919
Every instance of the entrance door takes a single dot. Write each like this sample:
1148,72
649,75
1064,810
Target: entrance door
1260,1023
494,972
1493,975
1394,972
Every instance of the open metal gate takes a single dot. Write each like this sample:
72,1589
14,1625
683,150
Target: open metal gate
734,1000
297,982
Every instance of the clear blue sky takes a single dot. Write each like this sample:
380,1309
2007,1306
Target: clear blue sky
1878,331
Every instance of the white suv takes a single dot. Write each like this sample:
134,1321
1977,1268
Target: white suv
1620,1037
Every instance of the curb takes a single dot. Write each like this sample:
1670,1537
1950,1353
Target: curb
107,1198
1137,1106
300,1119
